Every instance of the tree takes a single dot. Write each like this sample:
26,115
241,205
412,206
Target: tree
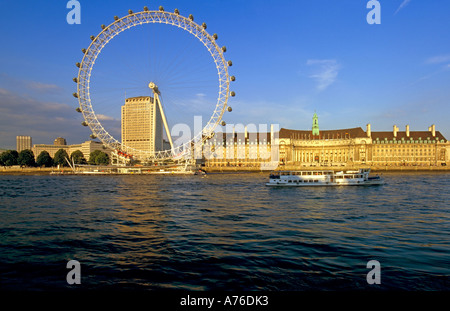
26,158
60,158
93,156
77,157
9,158
102,159
98,157
44,159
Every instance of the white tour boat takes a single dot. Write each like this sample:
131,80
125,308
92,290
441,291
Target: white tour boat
323,178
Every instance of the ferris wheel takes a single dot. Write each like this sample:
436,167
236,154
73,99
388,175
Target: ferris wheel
87,108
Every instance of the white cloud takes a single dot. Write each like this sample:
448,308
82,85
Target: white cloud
327,72
402,5
43,120
438,59
42,87
102,117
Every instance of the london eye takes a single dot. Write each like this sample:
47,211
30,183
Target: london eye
221,83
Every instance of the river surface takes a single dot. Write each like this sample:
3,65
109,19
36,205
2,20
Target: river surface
223,232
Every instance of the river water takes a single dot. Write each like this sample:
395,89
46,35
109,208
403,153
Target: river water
223,232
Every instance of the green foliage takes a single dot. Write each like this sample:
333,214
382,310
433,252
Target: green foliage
9,158
26,158
102,159
44,159
77,157
60,158
98,157
93,156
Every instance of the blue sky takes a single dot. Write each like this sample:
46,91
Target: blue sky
290,58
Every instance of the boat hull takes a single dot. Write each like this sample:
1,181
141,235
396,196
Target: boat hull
323,178
329,184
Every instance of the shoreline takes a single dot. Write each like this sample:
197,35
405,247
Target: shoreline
237,170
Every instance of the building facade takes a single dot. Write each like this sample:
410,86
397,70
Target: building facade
354,146
142,127
242,149
86,148
59,141
23,143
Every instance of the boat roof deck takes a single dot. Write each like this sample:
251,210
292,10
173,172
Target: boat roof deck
295,172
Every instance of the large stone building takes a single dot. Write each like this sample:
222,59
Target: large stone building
142,127
23,143
242,149
86,148
354,146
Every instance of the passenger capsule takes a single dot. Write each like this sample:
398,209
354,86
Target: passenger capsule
204,25
78,109
84,123
233,78
224,48
177,12
223,123
161,8
78,65
84,51
75,95
233,94
75,80
215,36
116,18
92,38
103,26
92,136
229,109
145,8
130,12
230,63
191,17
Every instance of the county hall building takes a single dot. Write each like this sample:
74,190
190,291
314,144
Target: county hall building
354,146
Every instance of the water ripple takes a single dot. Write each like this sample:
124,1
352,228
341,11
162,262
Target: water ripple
223,232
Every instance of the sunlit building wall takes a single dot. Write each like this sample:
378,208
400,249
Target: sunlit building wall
354,146
142,127
23,143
